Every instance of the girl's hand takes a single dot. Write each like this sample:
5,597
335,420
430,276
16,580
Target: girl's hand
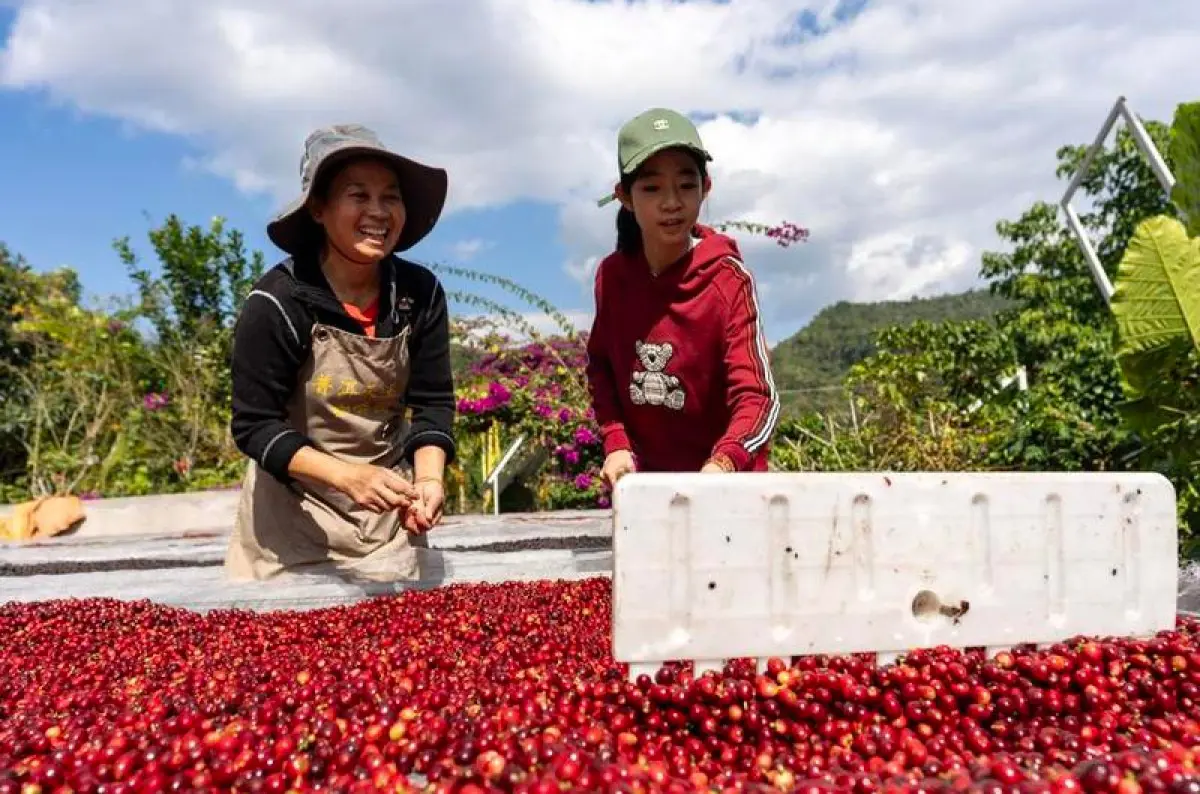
717,464
616,466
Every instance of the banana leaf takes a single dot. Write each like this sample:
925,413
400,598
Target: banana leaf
1156,302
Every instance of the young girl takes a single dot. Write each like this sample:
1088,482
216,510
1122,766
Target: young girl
677,361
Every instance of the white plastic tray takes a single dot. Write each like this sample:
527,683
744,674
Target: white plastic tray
709,567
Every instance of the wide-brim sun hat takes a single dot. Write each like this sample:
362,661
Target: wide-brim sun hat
651,132
422,187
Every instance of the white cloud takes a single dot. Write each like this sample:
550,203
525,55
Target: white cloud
899,138
466,250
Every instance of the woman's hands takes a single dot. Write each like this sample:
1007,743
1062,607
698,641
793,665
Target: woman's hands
426,511
373,488
379,489
429,467
376,488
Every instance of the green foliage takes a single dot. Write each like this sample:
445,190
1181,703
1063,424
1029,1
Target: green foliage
1157,300
1061,329
98,408
16,285
916,405
72,399
1184,154
205,276
810,367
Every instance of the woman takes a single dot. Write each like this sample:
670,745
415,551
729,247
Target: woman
332,346
677,361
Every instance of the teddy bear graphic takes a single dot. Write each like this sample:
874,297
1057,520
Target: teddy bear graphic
653,386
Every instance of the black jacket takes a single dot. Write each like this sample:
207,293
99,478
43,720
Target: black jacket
271,343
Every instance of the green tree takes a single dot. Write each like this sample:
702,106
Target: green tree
21,287
96,406
15,278
811,365
78,383
926,400
205,275
1061,329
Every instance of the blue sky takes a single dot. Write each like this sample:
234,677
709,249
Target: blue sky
77,181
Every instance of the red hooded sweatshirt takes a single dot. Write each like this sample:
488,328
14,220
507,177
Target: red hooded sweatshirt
677,363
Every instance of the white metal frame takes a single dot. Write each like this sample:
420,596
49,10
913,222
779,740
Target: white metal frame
493,478
1165,178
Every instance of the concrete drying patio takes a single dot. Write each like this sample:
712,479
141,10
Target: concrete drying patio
170,549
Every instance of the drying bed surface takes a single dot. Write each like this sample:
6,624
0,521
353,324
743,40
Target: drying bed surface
511,687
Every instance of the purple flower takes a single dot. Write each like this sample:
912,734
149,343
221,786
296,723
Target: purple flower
155,401
497,396
603,501
584,436
543,410
564,415
583,481
469,406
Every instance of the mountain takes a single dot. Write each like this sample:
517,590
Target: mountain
810,365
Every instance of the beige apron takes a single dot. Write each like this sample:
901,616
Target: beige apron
350,404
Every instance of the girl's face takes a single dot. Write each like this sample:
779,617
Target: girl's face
666,197
362,212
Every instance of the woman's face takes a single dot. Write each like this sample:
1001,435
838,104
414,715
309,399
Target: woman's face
666,197
362,212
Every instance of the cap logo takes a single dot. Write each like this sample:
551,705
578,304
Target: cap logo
661,124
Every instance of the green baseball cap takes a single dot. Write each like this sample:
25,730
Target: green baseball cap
647,134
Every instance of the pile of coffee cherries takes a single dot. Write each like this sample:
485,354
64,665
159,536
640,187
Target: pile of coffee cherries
512,687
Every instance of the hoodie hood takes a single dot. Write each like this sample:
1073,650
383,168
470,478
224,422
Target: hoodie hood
712,247
699,265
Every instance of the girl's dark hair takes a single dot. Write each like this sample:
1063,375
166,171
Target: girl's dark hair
629,234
